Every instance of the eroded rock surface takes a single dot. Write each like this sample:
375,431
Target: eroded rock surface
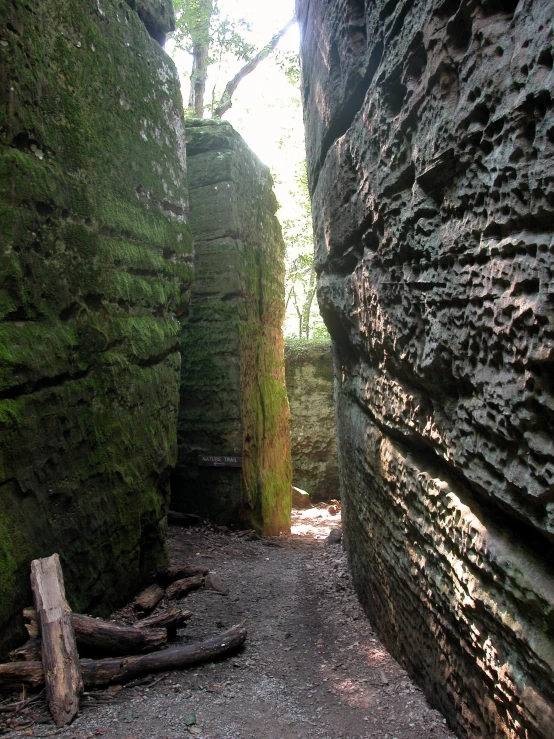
430,146
233,396
95,260
309,373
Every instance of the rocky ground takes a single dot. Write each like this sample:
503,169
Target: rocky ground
312,667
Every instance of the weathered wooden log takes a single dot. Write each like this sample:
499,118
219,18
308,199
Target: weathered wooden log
120,670
103,637
183,519
109,671
60,659
170,619
30,614
148,599
182,587
28,652
168,574
15,674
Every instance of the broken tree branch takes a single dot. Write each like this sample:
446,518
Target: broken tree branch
226,99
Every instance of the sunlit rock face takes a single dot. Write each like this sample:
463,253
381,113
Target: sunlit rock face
95,263
430,152
233,396
309,373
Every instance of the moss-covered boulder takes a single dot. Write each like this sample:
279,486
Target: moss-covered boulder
233,397
95,261
309,374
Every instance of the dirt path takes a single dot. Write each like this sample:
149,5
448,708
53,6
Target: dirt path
312,666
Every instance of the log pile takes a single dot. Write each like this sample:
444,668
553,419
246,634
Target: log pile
68,651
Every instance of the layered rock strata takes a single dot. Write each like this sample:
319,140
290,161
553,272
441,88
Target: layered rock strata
309,375
430,145
95,257
233,397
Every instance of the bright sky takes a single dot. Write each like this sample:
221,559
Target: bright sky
266,110
262,104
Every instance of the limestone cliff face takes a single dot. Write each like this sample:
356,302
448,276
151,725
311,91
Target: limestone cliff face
309,373
431,153
233,397
95,260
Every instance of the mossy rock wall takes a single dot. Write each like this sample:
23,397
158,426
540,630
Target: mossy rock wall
233,397
95,261
309,374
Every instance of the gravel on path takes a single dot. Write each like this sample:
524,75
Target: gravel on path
312,667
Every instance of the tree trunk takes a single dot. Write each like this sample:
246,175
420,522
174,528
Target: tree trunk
119,670
60,659
199,31
198,79
307,309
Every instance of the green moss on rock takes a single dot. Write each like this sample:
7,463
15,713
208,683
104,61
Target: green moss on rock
309,373
95,262
233,397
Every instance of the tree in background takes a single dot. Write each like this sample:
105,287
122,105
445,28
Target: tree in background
210,37
274,109
300,278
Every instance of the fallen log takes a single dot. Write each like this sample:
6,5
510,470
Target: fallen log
120,670
148,599
28,652
109,671
60,659
183,519
168,574
103,637
170,619
183,587
15,674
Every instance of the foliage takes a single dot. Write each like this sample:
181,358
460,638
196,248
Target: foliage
216,40
300,279
193,22
289,63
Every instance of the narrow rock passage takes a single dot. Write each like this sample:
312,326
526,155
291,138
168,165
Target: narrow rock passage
312,666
